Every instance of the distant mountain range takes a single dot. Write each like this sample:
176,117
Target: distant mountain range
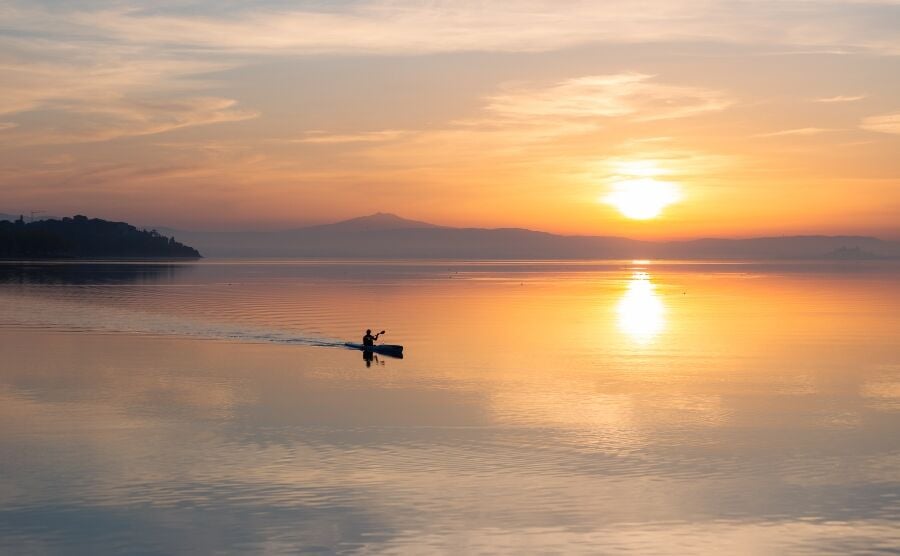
389,236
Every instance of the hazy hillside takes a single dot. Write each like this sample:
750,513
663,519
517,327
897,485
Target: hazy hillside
389,236
374,222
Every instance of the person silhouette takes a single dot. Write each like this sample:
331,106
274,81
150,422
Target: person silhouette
369,340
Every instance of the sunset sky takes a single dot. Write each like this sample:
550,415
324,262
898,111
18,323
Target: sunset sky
648,119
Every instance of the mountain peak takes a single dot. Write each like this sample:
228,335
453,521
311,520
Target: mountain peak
376,221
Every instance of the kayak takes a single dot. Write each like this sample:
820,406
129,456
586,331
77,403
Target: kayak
382,349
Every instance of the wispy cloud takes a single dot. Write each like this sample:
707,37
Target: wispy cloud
416,26
538,117
128,118
44,73
633,95
797,131
324,138
549,131
95,93
885,123
841,98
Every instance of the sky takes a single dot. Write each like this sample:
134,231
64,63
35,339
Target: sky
654,119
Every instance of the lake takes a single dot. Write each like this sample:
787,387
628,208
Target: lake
541,407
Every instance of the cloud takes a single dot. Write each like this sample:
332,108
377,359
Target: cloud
323,138
126,117
632,95
88,92
44,73
552,132
8,125
539,116
147,117
421,27
885,123
797,131
557,123
62,57
840,98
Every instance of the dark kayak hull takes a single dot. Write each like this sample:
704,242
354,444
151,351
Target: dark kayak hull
381,349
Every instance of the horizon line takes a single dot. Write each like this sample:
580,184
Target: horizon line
431,225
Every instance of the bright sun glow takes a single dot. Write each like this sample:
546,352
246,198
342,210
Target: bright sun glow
641,311
636,192
642,198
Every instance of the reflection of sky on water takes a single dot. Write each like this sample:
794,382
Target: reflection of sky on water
641,313
152,443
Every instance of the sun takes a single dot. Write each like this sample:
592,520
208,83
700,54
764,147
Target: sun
642,198
637,193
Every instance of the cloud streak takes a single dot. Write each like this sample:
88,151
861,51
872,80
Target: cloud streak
801,131
632,95
840,98
550,132
324,138
885,123
92,93
127,118
421,27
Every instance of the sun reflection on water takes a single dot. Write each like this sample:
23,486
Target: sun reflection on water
642,315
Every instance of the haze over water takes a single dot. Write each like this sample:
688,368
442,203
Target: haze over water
541,408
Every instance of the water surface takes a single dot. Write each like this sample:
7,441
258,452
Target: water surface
616,407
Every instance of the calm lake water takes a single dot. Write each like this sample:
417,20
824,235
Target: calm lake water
597,408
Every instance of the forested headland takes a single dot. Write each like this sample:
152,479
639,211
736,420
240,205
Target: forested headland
81,237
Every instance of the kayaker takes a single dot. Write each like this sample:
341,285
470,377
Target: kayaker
368,339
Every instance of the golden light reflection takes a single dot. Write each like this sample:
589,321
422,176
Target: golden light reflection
642,314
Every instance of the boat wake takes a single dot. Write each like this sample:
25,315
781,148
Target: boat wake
50,314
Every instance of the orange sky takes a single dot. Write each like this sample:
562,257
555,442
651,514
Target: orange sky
730,118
